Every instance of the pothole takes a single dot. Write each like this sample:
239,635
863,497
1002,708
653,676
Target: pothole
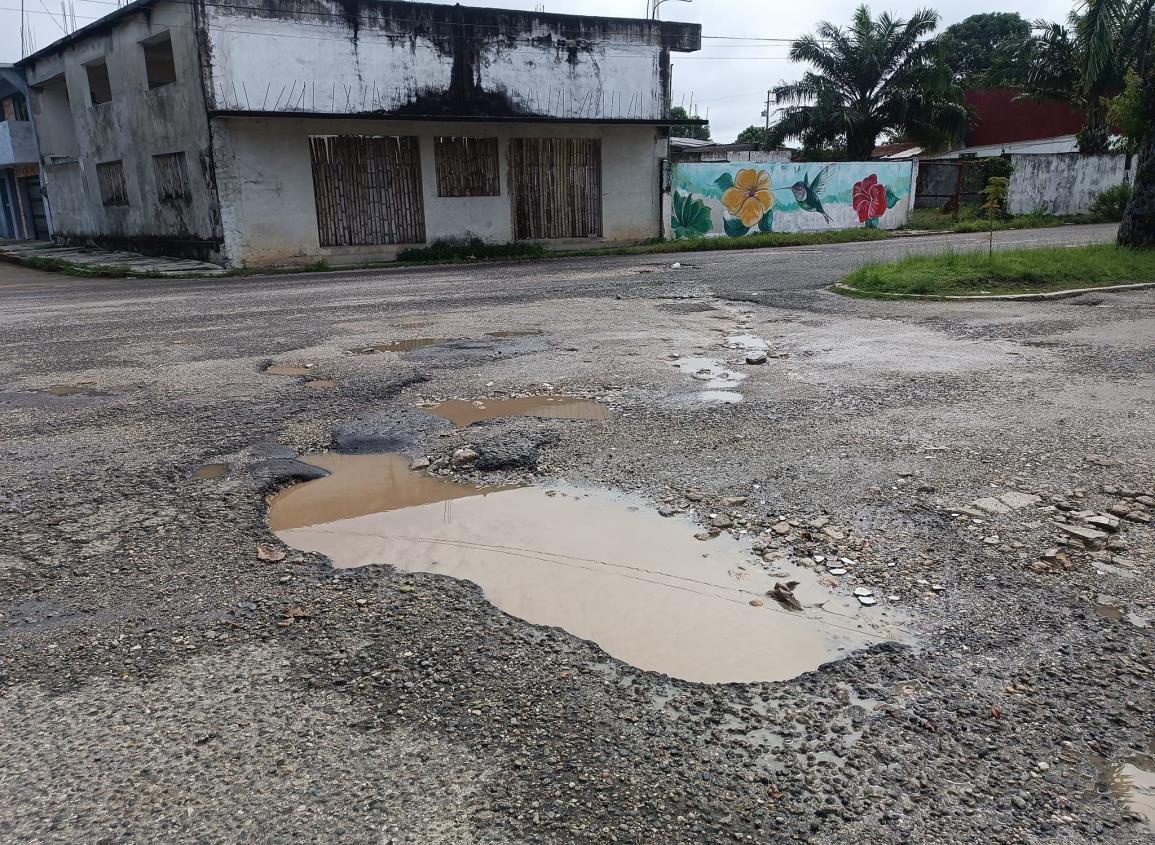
747,342
526,333
72,390
718,380
1130,781
321,384
601,564
209,471
1108,608
402,345
463,412
288,371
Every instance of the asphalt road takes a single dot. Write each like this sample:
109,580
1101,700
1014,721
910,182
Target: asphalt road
739,273
164,678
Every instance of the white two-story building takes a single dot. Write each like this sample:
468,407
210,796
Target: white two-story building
251,133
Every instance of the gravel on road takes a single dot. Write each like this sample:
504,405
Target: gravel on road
171,672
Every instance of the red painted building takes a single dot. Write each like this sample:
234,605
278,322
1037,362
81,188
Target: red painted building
999,117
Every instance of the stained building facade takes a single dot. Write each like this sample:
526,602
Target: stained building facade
348,131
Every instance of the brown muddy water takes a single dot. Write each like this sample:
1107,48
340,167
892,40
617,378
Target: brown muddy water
1130,781
209,471
601,564
463,412
71,390
288,371
321,384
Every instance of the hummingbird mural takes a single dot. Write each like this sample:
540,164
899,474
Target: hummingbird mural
808,193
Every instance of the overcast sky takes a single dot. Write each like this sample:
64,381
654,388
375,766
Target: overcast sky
726,78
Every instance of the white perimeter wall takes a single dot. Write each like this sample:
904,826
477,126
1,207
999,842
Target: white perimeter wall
1061,183
268,208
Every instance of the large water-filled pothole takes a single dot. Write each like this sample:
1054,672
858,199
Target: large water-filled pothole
464,412
603,565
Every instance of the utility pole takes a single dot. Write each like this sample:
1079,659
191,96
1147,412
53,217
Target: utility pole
766,113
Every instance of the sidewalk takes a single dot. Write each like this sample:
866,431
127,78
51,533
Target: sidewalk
108,260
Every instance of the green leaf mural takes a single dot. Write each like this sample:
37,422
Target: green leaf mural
691,216
891,198
725,182
735,228
766,224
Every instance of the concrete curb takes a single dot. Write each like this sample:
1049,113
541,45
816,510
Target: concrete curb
1007,297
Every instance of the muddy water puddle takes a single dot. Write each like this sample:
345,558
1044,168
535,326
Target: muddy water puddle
601,564
210,471
321,384
71,390
1130,781
463,412
1106,608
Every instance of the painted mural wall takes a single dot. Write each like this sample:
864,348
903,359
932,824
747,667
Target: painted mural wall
734,199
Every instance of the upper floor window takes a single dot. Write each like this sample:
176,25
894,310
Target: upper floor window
13,107
99,85
159,64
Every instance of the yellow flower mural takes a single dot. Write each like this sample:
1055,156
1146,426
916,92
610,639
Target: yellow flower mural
750,198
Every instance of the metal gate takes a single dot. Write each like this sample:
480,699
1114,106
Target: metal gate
367,189
556,187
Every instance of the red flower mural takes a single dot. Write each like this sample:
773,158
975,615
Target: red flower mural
869,199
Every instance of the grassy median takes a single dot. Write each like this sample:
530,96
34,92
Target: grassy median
1012,271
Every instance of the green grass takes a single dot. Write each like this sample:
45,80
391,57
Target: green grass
451,251
67,268
970,219
759,241
1013,271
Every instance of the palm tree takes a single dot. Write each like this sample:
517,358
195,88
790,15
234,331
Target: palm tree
1052,64
877,76
1118,33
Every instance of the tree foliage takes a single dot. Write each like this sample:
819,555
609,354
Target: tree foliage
972,47
753,135
687,130
879,75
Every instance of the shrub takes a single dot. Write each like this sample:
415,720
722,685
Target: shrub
469,249
1111,202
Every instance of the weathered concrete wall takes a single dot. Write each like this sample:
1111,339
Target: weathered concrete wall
17,143
268,206
1062,183
426,60
719,200
137,124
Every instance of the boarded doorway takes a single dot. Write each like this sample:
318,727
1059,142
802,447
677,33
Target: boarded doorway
37,213
367,189
556,187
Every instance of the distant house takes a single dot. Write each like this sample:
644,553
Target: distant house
1004,122
258,133
22,211
691,150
